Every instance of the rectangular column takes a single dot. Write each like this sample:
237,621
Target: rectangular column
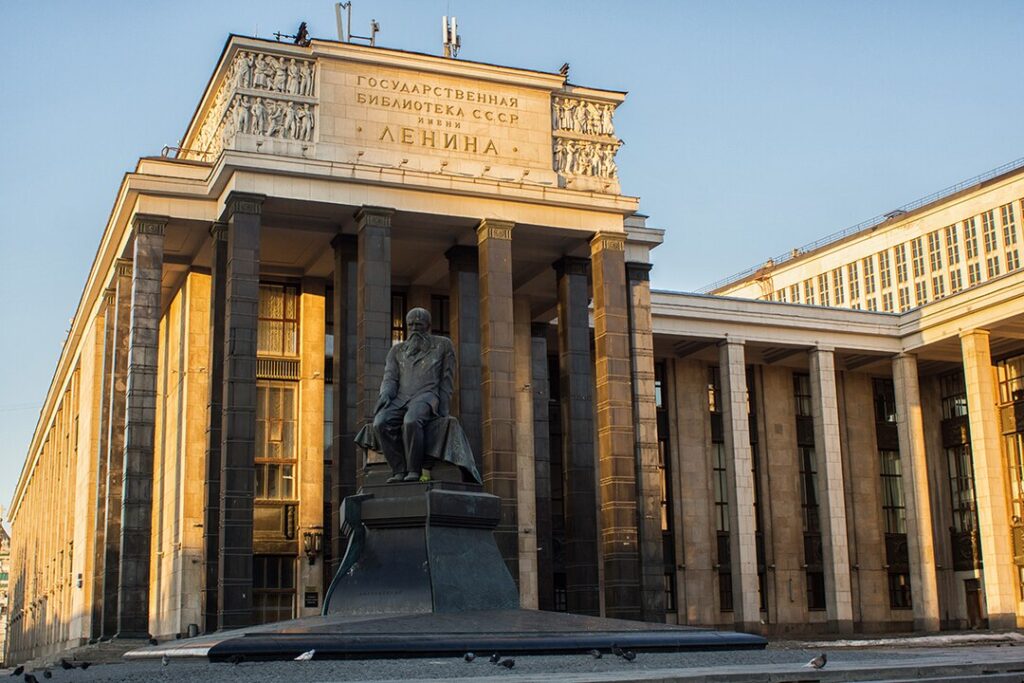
577,411
739,474
831,490
139,428
464,301
615,441
541,392
645,424
211,517
497,385
917,496
100,542
990,482
310,483
238,426
343,417
373,308
115,444
526,492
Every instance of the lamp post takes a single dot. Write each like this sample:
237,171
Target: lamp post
312,542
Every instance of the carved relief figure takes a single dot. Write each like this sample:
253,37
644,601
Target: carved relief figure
306,78
293,77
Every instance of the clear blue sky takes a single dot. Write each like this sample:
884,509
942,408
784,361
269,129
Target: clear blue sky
750,128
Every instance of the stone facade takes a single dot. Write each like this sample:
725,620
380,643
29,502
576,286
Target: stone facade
703,460
5,568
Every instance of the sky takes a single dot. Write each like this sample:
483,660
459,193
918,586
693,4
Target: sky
750,127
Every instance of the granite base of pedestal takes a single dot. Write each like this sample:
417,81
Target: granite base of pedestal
420,547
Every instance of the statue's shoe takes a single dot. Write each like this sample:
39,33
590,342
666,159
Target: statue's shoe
396,477
412,476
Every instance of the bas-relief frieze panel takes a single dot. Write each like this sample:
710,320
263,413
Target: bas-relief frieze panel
260,96
584,144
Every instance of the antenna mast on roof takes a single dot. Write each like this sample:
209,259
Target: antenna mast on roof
450,38
345,34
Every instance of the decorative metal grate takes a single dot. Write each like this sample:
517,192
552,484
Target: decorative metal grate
277,368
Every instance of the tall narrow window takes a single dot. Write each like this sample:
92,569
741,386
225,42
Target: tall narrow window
794,293
992,266
971,238
823,291
935,251
838,291
278,325
854,281
884,272
440,316
917,256
869,274
901,263
952,246
397,317
973,273
275,440
988,231
809,292
956,281
1009,225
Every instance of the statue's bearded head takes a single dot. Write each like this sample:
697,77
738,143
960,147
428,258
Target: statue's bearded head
417,325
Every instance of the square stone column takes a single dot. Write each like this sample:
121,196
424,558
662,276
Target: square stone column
118,376
211,516
615,441
526,491
645,424
344,456
577,413
831,490
541,392
100,533
739,474
464,302
373,307
310,484
497,386
916,494
238,426
990,482
139,428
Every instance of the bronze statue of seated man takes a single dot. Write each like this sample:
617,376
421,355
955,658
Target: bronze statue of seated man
412,426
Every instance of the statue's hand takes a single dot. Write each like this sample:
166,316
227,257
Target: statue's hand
382,403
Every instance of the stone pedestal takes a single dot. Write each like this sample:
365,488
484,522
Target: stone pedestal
419,548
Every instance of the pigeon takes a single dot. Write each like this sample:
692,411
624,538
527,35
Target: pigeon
818,662
47,674
629,655
305,656
17,672
165,660
29,678
508,663
495,658
469,656
235,660
616,650
66,665
596,654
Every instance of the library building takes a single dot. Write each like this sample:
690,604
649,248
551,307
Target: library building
830,442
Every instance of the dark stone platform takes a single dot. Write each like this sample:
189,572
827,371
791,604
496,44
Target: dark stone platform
449,634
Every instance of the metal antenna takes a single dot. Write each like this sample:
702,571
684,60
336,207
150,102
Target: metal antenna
345,27
450,38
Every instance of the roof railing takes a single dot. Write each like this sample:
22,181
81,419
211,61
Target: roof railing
864,225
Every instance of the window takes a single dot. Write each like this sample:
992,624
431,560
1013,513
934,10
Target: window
988,231
954,395
970,238
854,281
887,302
1011,379
973,273
961,487
278,325
935,251
894,508
1015,466
899,590
809,292
721,489
885,400
920,293
917,254
780,295
823,292
901,262
794,293
871,304
869,275
837,286
904,299
802,394
397,318
992,266
956,281
440,316
714,390
1012,260
938,286
883,269
952,246
275,440
273,588
1009,225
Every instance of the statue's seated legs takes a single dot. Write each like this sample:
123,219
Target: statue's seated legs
400,430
